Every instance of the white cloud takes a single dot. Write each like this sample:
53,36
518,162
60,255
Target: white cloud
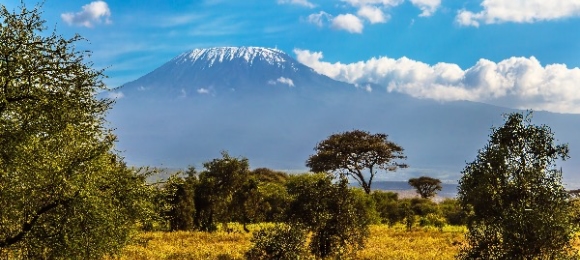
373,14
95,12
282,80
428,7
516,82
319,19
348,22
304,3
203,91
519,11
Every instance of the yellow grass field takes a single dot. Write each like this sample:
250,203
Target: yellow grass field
384,243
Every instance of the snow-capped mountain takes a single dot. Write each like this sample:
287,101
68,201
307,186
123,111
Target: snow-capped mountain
262,104
227,54
224,70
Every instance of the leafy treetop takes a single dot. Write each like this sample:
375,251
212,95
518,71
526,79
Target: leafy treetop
518,206
350,153
426,186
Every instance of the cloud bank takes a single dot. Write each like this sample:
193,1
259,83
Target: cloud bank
95,12
516,82
519,11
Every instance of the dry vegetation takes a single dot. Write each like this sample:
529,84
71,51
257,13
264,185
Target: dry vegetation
384,243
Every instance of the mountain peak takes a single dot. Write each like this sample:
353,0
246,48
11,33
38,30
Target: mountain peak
229,71
223,54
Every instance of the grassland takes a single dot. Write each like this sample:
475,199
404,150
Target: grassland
384,243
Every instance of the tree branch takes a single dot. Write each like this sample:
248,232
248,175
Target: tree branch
27,226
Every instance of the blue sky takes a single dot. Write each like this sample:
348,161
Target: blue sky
513,53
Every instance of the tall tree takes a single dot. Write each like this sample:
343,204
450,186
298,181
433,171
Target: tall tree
519,207
64,193
179,196
427,187
338,218
350,153
221,178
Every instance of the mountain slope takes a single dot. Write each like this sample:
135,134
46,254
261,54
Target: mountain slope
221,71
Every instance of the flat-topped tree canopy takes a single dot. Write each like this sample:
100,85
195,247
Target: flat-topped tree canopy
350,153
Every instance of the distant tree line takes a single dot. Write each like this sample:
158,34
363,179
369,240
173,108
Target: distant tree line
338,215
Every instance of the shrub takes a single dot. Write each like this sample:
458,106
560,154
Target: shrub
452,212
278,242
386,204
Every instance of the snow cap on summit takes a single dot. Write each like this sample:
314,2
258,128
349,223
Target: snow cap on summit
221,54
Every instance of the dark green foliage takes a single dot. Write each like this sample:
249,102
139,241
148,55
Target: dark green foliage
282,242
218,182
368,203
575,212
246,203
269,176
407,213
452,211
274,201
427,187
422,207
519,208
350,153
179,194
411,210
262,197
387,206
64,192
434,220
338,220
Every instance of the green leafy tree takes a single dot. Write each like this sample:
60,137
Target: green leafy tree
350,153
221,178
179,195
427,187
338,220
519,207
64,192
246,203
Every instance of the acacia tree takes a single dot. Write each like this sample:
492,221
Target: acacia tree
64,192
350,153
518,206
426,186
